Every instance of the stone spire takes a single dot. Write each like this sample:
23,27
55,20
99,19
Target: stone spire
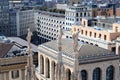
76,54
30,68
59,69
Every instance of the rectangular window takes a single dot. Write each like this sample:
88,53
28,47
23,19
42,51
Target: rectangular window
15,74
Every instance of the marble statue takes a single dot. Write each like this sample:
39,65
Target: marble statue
30,67
75,39
59,69
29,37
60,34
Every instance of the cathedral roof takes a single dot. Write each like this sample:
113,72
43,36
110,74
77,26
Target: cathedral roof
84,50
4,49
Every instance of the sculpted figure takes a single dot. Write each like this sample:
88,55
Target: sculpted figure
60,33
29,37
75,39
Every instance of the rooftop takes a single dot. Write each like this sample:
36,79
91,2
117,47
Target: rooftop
4,48
84,50
21,42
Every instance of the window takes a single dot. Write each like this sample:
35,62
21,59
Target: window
116,29
97,74
85,32
99,35
81,31
76,14
95,35
15,74
84,75
104,37
84,23
90,33
110,73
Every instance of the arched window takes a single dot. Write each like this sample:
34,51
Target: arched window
68,74
97,74
76,14
84,75
47,68
110,73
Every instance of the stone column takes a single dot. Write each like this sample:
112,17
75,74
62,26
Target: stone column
39,64
45,68
51,71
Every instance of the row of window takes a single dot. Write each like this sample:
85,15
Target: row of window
49,24
80,14
52,20
97,74
91,34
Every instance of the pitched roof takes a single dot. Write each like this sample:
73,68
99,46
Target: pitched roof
84,49
4,49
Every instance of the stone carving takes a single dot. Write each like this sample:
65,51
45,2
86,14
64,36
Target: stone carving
30,68
29,38
59,69
60,33
75,40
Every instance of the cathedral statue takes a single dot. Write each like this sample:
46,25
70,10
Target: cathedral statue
29,38
59,69
75,41
60,34
30,68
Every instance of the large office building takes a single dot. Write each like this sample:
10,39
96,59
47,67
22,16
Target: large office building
4,17
47,24
21,20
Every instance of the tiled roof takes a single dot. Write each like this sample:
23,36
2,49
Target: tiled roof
4,48
83,49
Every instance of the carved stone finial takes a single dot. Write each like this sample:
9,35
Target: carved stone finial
75,41
60,34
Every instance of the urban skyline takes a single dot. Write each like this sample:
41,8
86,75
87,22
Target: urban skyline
59,40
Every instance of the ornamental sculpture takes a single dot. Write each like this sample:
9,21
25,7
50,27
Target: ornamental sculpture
60,34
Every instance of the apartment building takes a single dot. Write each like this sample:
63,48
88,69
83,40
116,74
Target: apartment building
74,14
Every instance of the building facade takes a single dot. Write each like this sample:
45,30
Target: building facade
47,24
88,63
98,33
74,14
4,17
21,20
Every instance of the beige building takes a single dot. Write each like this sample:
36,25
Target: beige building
87,63
102,33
